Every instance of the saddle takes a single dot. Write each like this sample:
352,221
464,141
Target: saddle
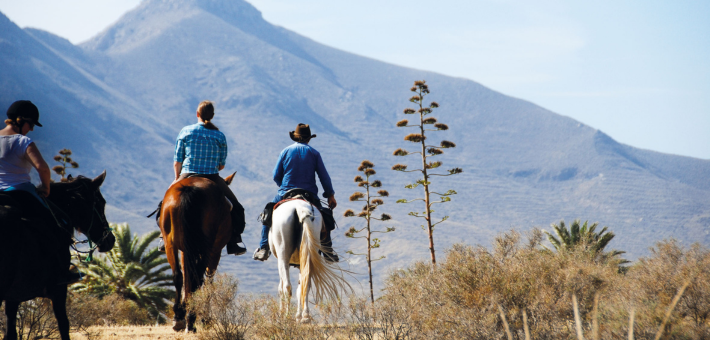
19,203
295,194
24,208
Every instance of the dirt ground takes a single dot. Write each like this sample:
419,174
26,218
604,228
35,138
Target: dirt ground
133,332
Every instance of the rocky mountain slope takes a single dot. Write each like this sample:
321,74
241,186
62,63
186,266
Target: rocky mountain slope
119,100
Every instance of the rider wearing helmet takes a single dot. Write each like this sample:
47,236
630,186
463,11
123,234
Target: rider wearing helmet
19,154
296,168
201,150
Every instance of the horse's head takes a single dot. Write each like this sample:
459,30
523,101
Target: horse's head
85,205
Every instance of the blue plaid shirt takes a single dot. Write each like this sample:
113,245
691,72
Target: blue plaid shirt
200,150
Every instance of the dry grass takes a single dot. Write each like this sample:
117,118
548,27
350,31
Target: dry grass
517,290
133,332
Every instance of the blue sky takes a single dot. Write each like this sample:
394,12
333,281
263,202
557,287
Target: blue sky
637,70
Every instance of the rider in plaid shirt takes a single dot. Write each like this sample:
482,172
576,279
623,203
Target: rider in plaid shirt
201,150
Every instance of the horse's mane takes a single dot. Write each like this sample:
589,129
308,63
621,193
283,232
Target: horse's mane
73,184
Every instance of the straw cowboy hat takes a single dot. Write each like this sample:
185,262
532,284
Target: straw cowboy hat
302,133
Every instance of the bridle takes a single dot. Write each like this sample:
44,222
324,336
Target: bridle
95,213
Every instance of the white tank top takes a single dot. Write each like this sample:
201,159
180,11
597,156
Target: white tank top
14,166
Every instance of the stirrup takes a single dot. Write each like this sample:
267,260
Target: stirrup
236,249
262,254
330,256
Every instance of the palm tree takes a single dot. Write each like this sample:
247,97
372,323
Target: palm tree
131,272
585,236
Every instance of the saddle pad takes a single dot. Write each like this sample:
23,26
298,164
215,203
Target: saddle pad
290,199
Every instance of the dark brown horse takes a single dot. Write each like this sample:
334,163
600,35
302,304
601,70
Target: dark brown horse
34,245
195,220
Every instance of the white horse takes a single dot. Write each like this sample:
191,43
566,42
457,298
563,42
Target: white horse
295,239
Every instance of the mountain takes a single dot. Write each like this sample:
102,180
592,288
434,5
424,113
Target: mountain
119,100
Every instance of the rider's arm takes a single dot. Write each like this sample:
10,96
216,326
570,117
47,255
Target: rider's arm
179,156
279,169
222,153
324,177
178,168
42,168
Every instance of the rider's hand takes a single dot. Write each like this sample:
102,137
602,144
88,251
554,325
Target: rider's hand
331,202
43,191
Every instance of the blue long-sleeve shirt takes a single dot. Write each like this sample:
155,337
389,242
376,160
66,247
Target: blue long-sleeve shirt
297,167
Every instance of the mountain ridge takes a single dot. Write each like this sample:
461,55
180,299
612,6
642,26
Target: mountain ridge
525,166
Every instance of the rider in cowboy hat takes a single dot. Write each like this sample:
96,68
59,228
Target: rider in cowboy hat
296,168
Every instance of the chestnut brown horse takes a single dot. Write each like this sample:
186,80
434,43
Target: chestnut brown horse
34,246
194,219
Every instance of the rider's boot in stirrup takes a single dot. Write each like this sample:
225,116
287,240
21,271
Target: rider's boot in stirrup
328,252
262,254
233,246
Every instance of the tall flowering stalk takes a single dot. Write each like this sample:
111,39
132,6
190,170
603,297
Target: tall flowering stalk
65,163
421,90
372,201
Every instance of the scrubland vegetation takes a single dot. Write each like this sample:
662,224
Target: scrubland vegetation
518,289
472,294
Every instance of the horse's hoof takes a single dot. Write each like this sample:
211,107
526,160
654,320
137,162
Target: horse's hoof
305,319
178,325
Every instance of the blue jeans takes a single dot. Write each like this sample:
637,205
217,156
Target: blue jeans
265,229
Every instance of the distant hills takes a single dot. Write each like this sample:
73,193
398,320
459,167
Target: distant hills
119,100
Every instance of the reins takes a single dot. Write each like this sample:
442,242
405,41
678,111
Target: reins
92,247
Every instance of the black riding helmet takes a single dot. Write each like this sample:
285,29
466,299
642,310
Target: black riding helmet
24,109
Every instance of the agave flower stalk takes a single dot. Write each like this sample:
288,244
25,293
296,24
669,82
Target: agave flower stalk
65,163
421,90
372,202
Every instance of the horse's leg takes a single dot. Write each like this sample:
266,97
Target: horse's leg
189,285
213,262
299,309
58,295
172,254
284,283
11,313
305,312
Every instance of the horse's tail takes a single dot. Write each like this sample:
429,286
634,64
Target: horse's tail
190,236
326,281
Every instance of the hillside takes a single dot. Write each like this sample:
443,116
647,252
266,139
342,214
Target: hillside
120,99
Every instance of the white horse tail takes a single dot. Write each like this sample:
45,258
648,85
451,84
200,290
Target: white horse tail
326,281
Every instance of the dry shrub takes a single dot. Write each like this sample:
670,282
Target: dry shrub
273,323
224,315
35,320
3,319
36,317
85,310
460,298
381,320
655,281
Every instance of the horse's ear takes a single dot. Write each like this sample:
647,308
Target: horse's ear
99,179
70,178
230,178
